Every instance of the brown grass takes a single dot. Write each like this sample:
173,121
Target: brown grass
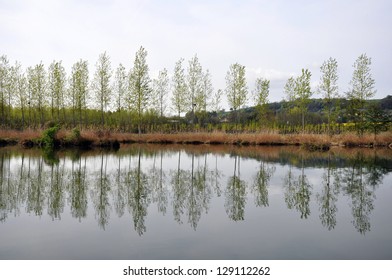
307,140
20,135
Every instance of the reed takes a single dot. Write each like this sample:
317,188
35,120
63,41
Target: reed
107,138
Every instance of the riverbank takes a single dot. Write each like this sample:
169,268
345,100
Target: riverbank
89,138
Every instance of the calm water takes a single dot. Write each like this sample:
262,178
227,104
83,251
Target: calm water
196,202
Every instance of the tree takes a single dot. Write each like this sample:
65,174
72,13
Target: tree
299,92
195,84
57,89
236,88
120,89
161,91
261,93
79,90
101,84
37,85
4,87
377,120
139,85
328,86
216,101
179,88
207,91
362,88
20,86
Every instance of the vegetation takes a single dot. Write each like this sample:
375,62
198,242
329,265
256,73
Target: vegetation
362,89
125,102
298,92
329,89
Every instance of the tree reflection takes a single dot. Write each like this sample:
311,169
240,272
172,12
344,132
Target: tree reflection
131,182
119,190
36,188
199,193
57,191
216,177
260,184
191,190
78,189
298,192
157,182
178,182
5,187
100,194
138,195
236,194
328,197
359,182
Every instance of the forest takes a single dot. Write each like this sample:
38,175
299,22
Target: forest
130,101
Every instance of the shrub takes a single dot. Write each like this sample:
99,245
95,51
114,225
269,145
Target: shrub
47,139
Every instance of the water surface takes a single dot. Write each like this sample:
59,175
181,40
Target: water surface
196,202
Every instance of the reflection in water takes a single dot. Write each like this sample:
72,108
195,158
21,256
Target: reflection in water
138,194
182,184
328,197
78,188
298,191
236,194
359,182
260,184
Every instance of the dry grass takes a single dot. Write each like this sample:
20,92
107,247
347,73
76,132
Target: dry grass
307,140
20,135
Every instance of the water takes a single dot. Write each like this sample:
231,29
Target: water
196,202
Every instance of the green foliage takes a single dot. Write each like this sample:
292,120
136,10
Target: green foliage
47,139
179,88
140,85
101,84
362,89
195,83
29,98
377,120
261,93
329,89
298,92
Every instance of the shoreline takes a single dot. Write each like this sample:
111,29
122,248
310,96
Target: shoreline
91,138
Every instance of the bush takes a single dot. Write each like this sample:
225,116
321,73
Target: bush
47,139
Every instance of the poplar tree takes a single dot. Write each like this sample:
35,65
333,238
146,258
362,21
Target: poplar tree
299,92
120,89
195,84
362,89
260,95
140,85
207,90
216,100
4,88
57,89
329,86
79,91
37,85
20,88
101,84
161,91
179,88
236,88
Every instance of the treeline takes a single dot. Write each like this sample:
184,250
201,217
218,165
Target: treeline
129,100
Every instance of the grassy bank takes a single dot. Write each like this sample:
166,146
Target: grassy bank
86,138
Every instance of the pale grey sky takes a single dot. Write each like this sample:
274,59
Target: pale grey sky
273,39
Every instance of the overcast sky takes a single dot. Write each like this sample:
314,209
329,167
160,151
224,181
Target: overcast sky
273,39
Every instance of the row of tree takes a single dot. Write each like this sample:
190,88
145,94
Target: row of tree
131,99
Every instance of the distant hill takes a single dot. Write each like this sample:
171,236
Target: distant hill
317,105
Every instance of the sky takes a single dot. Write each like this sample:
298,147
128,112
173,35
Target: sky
272,39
